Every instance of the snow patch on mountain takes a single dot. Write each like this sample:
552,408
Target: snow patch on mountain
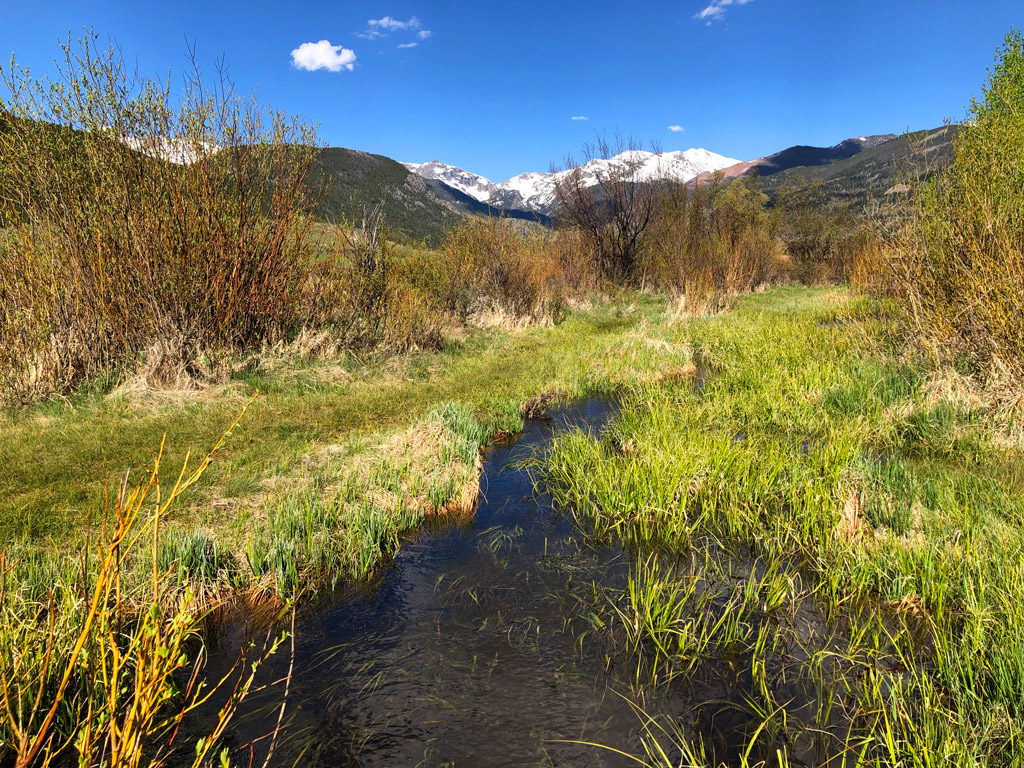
179,151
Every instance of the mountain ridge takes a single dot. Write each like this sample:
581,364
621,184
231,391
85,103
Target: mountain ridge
798,156
535,191
877,174
423,200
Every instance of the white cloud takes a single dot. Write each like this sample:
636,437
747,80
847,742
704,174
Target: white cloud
579,117
323,55
389,24
676,128
715,11
384,26
407,45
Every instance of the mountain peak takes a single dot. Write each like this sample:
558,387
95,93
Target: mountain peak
468,183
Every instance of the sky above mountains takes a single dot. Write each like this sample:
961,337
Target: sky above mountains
503,88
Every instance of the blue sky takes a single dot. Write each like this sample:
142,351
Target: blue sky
493,87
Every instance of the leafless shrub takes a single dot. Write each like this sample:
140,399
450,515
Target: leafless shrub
142,220
611,204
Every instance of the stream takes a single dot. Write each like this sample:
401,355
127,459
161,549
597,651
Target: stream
473,647
485,642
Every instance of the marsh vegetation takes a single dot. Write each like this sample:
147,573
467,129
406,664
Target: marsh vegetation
800,532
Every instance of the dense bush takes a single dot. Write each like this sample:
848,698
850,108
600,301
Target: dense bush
957,264
368,300
376,295
502,269
146,230
145,233
711,244
822,238
140,224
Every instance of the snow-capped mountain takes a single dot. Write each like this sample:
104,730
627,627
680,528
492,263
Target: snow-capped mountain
469,183
536,191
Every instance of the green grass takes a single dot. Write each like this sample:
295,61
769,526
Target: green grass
818,512
803,416
311,424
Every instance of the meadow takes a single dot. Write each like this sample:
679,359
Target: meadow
320,429
223,406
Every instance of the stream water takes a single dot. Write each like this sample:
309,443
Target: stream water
474,647
486,643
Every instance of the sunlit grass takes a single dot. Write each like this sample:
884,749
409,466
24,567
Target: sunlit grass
100,659
811,510
895,509
300,444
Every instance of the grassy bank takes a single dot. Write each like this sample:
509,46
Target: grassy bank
337,430
831,517
329,464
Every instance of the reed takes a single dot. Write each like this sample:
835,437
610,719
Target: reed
102,666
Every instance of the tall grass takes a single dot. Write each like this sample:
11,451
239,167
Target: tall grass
348,523
100,667
874,499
